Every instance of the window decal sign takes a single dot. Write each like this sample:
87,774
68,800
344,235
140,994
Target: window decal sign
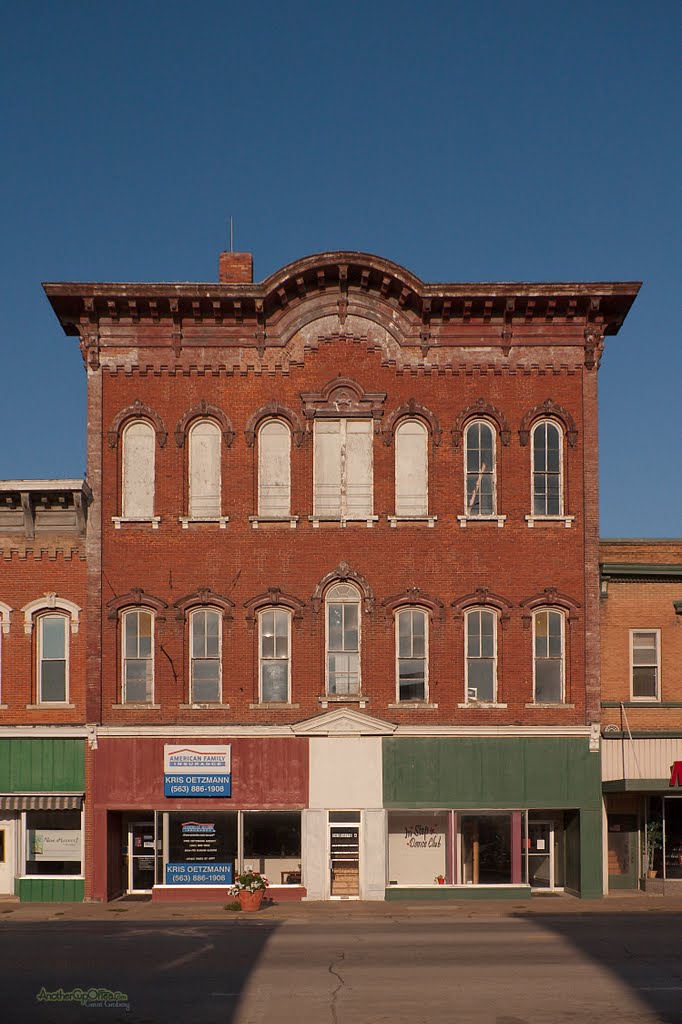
197,771
202,861
676,773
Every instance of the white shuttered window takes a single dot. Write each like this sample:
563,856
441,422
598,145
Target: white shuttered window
411,472
138,471
204,470
343,468
274,469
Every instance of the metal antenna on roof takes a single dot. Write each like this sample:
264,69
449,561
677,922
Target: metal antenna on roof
231,235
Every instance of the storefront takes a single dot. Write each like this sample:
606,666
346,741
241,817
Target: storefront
41,819
183,828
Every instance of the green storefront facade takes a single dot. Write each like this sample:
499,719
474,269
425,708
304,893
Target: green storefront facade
42,786
492,816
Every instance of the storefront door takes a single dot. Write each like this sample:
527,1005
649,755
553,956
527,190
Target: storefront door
541,854
140,856
622,850
7,847
344,854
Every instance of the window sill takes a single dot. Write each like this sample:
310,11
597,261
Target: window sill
290,521
500,520
4,707
136,706
152,521
643,702
273,705
49,705
343,520
186,520
343,698
206,706
429,520
534,520
474,704
413,705
549,704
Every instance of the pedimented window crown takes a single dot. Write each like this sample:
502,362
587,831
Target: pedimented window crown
274,597
204,597
413,597
49,602
344,398
204,411
482,597
137,411
481,409
548,409
411,410
343,574
273,410
137,597
552,598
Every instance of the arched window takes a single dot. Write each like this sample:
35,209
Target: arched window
137,639
204,470
343,639
479,454
549,656
53,659
138,471
274,469
274,626
411,653
481,655
547,445
205,656
411,469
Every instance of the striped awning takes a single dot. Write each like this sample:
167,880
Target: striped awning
41,802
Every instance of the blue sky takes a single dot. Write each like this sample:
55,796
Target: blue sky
467,141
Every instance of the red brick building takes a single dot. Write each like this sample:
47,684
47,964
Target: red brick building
344,542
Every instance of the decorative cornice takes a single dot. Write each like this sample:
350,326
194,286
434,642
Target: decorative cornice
202,598
204,411
138,410
274,597
412,410
135,598
343,397
481,409
273,410
414,597
343,574
548,408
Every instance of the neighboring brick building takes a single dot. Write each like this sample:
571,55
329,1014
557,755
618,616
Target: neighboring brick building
641,628
345,532
42,678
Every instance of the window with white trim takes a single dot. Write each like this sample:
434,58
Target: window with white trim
549,656
645,658
138,656
204,470
411,469
53,659
343,468
411,653
205,630
481,655
274,469
138,471
343,639
479,456
547,469
275,655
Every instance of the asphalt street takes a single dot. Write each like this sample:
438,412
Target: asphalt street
621,968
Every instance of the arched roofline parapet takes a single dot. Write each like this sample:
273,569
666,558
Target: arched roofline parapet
273,410
343,574
204,411
137,411
481,409
548,410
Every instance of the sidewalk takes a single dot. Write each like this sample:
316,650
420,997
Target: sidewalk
347,910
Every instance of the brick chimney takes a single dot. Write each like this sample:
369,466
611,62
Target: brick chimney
235,268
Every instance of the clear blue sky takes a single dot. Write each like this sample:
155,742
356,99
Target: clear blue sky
467,141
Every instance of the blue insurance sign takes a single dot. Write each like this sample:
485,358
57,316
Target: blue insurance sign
198,874
197,771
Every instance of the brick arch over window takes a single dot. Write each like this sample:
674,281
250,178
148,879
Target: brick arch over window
481,409
50,602
552,598
274,597
204,597
343,574
273,410
136,598
204,411
550,409
137,411
414,597
412,410
482,598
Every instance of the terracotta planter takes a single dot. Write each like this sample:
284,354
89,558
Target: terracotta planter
441,881
251,900
651,873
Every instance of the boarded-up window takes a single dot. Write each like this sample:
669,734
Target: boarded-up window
411,472
274,469
343,468
204,470
138,471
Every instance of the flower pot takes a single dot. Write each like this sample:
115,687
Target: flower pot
651,873
251,900
441,881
